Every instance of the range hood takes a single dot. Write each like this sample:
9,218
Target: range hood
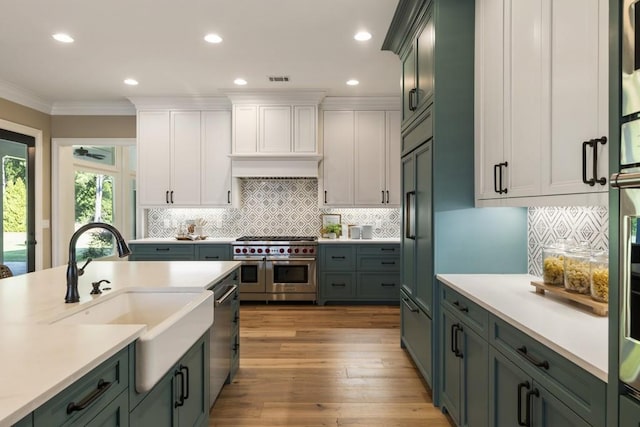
275,165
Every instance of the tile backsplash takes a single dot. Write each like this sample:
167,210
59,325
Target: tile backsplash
272,207
546,225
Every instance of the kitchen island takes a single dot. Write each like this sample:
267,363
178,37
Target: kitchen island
42,359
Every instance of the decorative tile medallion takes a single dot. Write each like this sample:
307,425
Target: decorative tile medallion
548,224
272,207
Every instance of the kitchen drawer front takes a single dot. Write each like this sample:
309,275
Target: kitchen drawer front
115,414
338,286
474,316
629,412
168,252
379,250
421,132
416,336
114,371
379,286
379,263
213,252
339,258
577,388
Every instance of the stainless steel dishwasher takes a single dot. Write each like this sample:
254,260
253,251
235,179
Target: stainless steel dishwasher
222,336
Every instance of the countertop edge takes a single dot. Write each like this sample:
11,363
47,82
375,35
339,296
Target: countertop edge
575,358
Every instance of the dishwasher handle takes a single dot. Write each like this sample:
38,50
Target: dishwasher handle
226,296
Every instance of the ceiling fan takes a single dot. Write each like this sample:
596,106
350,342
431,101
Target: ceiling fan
83,152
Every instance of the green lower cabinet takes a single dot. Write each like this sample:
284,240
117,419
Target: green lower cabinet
516,399
629,412
181,397
25,422
416,336
162,252
115,414
464,378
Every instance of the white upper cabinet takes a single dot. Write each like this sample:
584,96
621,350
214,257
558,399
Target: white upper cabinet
183,159
305,134
361,163
245,129
275,128
541,93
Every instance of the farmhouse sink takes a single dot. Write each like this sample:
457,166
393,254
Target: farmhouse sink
174,321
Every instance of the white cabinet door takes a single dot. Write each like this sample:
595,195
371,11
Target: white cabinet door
304,129
524,82
337,163
393,152
216,186
275,128
245,129
370,159
489,96
579,93
185,171
154,158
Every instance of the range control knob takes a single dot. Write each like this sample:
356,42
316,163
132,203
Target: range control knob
244,251
237,250
281,250
267,250
297,250
289,250
259,251
304,251
310,250
253,251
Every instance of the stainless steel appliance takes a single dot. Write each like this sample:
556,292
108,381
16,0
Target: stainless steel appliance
630,57
277,268
221,335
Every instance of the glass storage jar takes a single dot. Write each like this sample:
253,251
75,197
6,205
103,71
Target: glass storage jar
600,277
577,269
553,261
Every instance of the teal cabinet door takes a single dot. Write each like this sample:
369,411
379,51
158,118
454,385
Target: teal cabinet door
157,408
629,412
417,336
407,241
508,386
194,367
25,422
424,228
475,379
451,354
115,414
548,411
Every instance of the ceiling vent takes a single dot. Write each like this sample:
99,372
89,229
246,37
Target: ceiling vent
278,79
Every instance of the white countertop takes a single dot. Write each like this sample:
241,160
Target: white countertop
377,240
209,240
40,360
569,330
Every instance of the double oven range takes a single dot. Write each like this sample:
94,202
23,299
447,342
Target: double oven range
277,268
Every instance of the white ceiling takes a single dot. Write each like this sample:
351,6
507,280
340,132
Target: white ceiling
160,43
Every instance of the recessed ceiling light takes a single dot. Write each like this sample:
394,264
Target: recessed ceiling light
130,82
64,38
213,38
353,82
240,82
362,36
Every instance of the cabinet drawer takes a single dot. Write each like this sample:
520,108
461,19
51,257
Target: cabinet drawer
629,412
379,286
213,252
111,377
379,250
476,317
167,252
379,264
338,286
577,388
339,258
422,132
416,336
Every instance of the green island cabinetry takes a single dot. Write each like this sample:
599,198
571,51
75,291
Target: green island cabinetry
361,272
181,397
495,375
629,412
180,252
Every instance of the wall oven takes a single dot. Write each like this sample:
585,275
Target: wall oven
277,268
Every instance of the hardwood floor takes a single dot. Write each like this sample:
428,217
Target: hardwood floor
306,365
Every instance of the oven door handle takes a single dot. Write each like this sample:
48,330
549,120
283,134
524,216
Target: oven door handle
288,260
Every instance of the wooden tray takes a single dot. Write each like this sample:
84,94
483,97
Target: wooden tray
598,308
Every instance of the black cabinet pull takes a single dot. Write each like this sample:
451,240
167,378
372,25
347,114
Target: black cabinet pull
229,196
382,197
337,257
171,193
603,141
411,309
339,285
453,339
591,181
388,285
523,352
101,389
211,257
387,196
530,394
186,376
461,307
388,262
505,164
388,249
166,196
412,100
325,196
521,386
495,178
180,401
457,328
163,249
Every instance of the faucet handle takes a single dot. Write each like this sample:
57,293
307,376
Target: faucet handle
96,286
81,269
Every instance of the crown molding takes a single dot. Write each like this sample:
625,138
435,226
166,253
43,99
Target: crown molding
181,103
309,96
361,103
21,96
107,108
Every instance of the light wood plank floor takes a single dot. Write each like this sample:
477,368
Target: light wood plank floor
312,366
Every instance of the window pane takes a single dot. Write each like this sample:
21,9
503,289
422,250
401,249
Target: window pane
94,203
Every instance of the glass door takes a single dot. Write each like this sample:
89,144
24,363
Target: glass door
17,156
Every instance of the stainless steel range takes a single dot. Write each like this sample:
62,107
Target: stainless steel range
277,268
